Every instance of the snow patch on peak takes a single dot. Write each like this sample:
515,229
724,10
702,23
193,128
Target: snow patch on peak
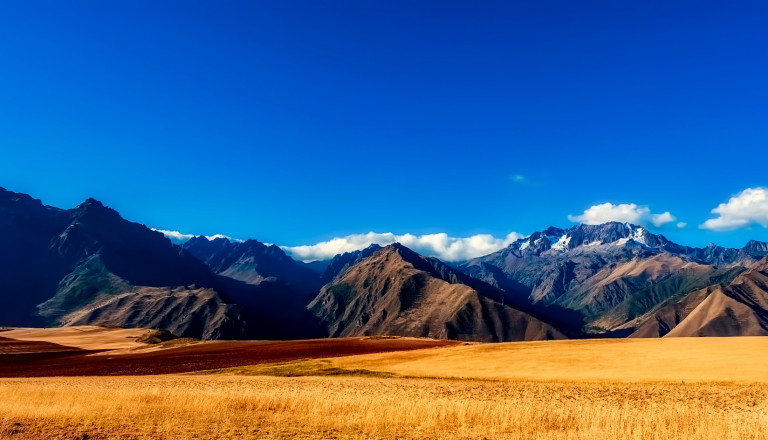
562,243
525,245
638,236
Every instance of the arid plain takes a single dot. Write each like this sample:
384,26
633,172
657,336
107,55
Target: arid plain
681,388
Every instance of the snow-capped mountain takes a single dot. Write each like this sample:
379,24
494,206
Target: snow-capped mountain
628,235
609,273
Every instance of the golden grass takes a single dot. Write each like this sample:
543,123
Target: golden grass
582,390
742,359
208,407
301,367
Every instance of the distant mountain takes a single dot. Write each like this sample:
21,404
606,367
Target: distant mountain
88,264
738,308
756,248
720,256
254,262
395,291
610,273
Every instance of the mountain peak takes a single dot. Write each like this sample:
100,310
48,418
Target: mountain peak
396,245
14,197
342,262
758,248
373,247
92,210
92,205
254,246
552,230
405,253
90,202
253,243
202,239
564,240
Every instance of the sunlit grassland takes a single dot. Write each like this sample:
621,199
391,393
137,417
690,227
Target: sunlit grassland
219,406
741,359
363,397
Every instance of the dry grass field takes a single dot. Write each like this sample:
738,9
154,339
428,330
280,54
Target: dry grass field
742,359
175,407
504,391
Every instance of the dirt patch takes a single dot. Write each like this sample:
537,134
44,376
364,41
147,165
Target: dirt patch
86,337
157,337
202,356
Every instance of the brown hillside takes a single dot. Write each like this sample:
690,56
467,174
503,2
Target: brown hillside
398,292
739,308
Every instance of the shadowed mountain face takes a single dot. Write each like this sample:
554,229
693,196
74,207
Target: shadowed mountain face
610,273
254,262
340,263
398,292
88,264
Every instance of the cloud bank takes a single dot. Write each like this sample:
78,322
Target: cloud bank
440,245
624,213
742,210
177,237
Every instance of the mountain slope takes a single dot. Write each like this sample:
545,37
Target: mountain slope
398,292
56,263
739,308
610,273
183,311
29,271
340,263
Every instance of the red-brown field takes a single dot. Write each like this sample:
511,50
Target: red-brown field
42,358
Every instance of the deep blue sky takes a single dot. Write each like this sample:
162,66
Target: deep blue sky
293,122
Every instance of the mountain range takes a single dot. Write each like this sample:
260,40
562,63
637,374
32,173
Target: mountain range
88,265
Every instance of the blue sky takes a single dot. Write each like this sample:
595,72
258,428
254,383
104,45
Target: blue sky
295,122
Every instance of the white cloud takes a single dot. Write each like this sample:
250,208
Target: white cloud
662,219
440,245
517,178
681,225
436,245
744,209
623,213
178,237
